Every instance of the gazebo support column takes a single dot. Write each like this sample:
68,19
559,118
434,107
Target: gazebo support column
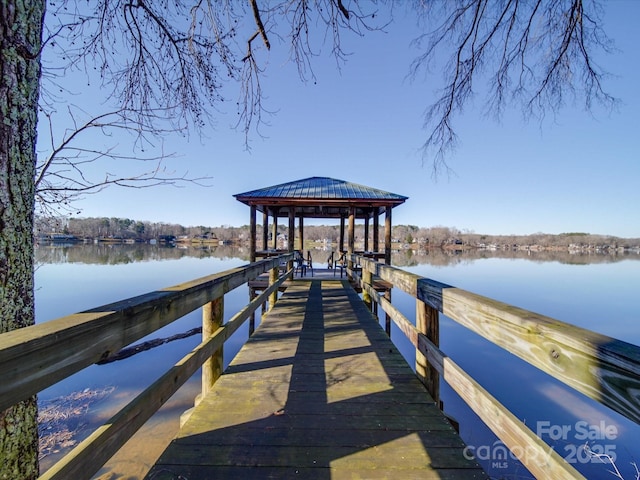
265,227
275,228
351,240
341,243
252,234
273,273
366,232
387,236
376,229
292,229
301,231
291,237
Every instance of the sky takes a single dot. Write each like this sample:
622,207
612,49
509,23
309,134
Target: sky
363,123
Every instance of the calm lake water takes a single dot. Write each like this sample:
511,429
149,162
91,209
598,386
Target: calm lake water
598,292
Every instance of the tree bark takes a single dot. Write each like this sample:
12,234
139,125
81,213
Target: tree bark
20,36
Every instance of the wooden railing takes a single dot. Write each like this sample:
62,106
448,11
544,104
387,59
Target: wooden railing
36,357
603,368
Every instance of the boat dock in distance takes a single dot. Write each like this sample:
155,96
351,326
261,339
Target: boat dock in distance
318,391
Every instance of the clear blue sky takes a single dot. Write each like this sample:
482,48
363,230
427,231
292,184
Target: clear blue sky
577,172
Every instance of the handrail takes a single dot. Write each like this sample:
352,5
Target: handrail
603,368
38,356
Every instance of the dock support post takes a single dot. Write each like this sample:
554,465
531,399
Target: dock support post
351,239
265,227
366,232
273,278
212,318
252,234
376,229
367,282
301,231
291,240
274,234
428,323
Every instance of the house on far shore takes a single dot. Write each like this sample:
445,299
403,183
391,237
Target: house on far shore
57,238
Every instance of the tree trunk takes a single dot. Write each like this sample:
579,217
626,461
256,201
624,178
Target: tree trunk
20,36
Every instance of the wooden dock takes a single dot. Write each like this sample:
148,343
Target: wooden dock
262,282
319,391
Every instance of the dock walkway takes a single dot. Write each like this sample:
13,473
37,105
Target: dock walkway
318,391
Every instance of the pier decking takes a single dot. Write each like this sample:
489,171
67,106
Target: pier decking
318,391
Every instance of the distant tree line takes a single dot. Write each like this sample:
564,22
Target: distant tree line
409,235
444,236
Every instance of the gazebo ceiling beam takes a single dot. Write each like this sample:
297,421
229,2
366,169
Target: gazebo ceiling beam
322,210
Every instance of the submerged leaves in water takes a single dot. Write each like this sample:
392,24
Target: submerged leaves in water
61,419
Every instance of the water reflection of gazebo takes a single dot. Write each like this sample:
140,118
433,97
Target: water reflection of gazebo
321,197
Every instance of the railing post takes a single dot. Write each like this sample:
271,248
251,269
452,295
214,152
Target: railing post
366,280
212,318
273,278
428,323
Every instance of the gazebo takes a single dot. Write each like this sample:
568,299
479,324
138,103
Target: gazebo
321,197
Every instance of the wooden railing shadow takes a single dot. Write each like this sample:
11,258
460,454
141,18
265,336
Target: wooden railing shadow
303,431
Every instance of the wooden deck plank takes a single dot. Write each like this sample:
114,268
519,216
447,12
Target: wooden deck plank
324,274
261,473
318,391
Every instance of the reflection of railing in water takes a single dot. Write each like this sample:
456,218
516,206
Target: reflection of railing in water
36,357
602,368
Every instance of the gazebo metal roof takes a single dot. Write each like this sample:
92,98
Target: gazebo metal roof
321,197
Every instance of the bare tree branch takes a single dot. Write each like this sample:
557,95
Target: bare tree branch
163,54
259,24
528,53
62,175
